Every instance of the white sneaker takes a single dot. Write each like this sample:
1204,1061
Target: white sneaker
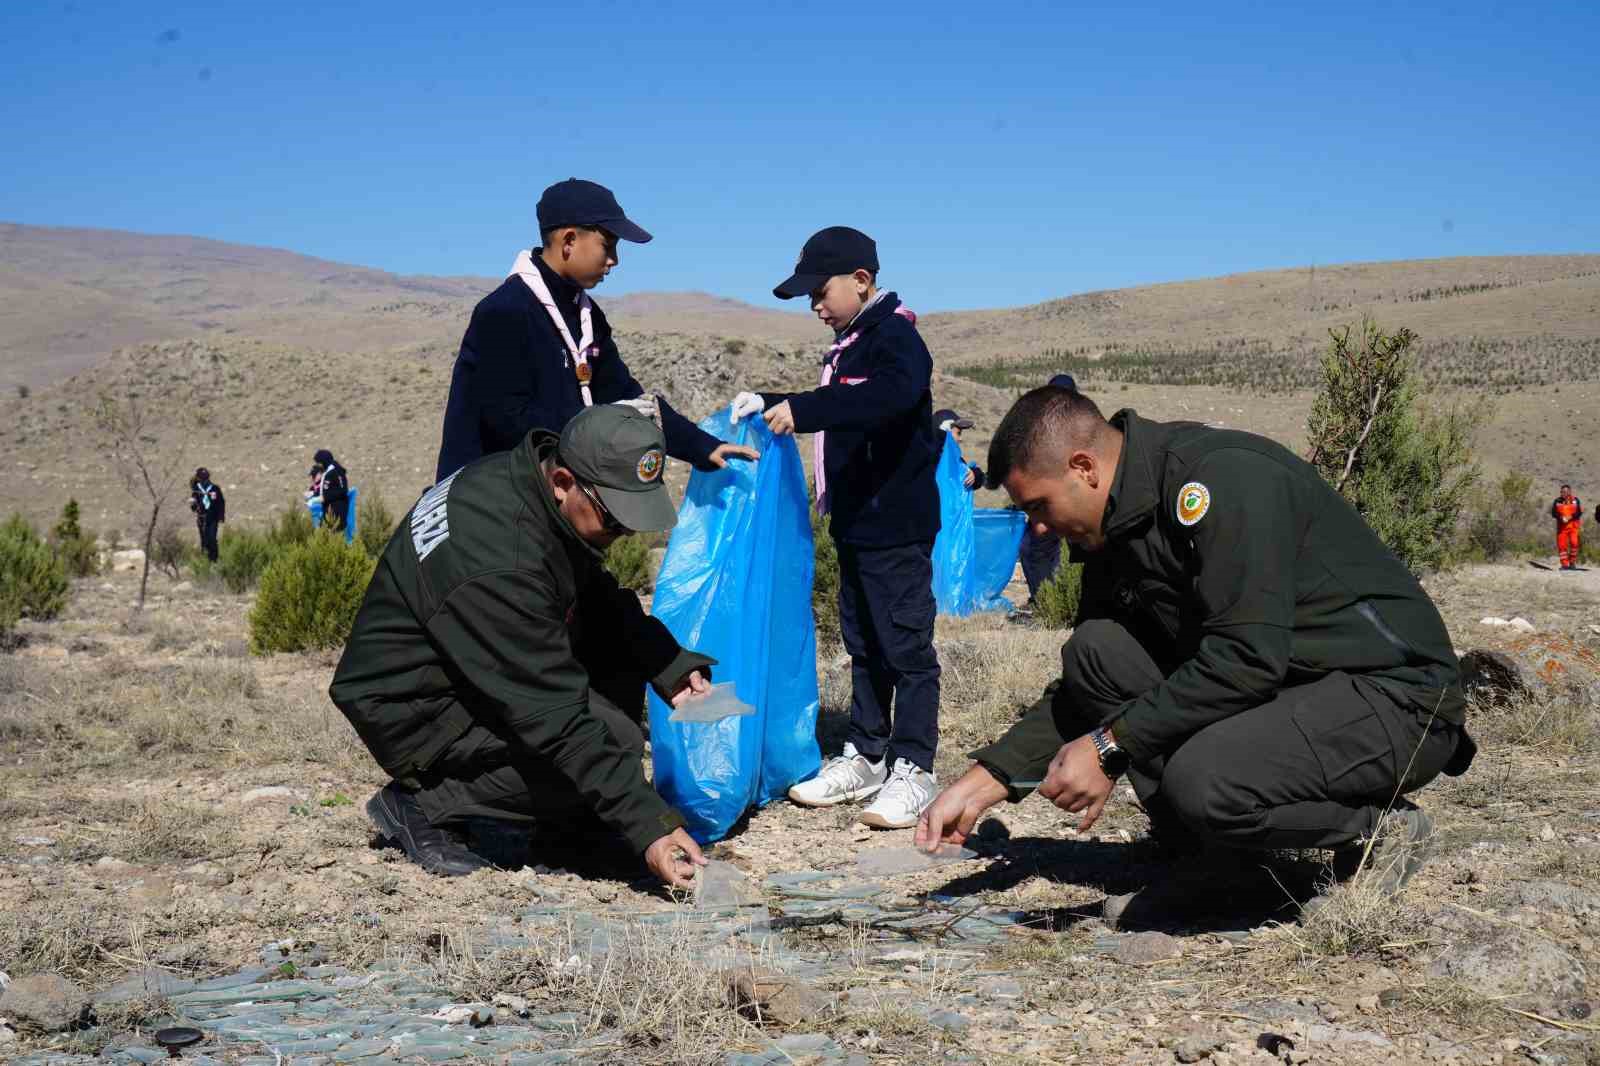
845,777
904,797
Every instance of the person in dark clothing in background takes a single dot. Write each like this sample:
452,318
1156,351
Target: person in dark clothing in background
877,453
495,668
954,425
331,485
538,350
210,510
1262,667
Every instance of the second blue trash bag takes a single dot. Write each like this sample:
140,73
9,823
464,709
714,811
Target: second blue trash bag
736,585
953,587
996,536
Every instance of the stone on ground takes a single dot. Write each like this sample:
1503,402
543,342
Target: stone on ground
44,1002
1515,967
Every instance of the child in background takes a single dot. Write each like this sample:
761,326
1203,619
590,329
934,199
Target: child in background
877,450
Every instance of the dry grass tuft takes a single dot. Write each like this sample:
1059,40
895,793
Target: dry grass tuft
651,984
1551,727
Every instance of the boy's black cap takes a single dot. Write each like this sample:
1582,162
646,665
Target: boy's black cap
835,250
944,415
1064,381
623,456
576,202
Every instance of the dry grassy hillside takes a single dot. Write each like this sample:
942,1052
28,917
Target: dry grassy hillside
319,354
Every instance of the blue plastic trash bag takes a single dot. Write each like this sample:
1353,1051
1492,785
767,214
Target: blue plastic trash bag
997,535
314,505
736,585
953,579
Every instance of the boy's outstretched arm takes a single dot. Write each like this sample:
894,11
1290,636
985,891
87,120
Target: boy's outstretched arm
901,373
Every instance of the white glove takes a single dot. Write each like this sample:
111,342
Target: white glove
645,405
747,403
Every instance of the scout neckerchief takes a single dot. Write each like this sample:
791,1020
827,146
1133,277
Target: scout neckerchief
830,366
580,352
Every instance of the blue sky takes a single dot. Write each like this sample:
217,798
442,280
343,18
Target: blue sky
1000,153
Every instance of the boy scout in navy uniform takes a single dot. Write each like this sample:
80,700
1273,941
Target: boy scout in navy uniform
1263,669
875,476
496,669
538,350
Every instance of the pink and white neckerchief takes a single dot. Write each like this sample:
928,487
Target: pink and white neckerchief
830,365
579,352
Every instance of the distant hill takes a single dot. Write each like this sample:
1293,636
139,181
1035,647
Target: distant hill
322,354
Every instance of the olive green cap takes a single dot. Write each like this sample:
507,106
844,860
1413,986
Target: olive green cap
623,456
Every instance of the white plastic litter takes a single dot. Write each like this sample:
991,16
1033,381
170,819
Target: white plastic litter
721,702
718,884
886,862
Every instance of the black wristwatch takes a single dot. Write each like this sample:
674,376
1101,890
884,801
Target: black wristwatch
1113,759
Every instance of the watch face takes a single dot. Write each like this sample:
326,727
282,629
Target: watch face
1114,763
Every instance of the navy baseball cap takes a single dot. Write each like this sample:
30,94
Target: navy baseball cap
1064,381
576,202
835,250
946,415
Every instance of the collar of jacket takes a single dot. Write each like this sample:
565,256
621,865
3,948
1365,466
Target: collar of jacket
527,477
564,292
880,308
1133,496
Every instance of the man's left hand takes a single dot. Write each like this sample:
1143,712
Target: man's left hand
723,452
971,480
1075,781
780,419
692,687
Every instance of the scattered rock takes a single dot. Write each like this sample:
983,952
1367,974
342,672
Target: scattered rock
775,998
270,792
182,586
1367,1004
1142,949
1198,1046
1541,666
36,842
1553,895
1000,988
45,1003
131,559
1515,967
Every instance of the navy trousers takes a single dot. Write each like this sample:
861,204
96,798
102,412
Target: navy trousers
1040,558
886,613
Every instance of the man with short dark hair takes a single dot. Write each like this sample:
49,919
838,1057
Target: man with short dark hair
1263,669
538,350
496,670
1567,510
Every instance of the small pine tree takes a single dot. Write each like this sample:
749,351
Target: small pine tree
628,559
825,583
309,596
1405,469
1055,605
375,523
77,553
242,557
30,572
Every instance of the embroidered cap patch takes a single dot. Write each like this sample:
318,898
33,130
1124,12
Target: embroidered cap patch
1194,500
650,465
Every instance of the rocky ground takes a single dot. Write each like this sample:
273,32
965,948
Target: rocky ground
182,842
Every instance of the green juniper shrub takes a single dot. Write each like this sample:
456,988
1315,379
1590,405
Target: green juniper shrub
628,559
242,557
375,523
1405,468
293,526
825,583
77,552
1500,516
1055,605
309,596
36,578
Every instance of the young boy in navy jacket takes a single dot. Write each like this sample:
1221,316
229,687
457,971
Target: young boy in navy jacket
877,449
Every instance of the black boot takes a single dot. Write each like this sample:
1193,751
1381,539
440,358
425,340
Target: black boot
399,818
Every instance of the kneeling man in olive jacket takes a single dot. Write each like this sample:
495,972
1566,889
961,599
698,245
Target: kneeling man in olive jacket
496,670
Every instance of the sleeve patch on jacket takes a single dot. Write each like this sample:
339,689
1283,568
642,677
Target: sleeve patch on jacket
1194,500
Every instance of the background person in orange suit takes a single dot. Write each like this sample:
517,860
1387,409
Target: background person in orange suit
1568,513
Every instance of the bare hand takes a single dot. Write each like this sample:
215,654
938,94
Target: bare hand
780,419
1075,781
673,858
950,818
692,687
971,479
723,452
